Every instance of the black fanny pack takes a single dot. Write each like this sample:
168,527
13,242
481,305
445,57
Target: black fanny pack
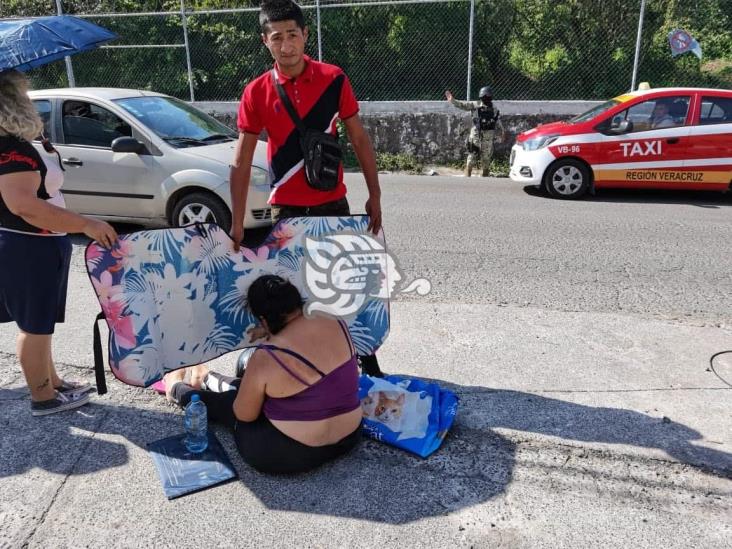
321,151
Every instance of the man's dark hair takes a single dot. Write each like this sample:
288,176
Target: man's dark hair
273,298
271,11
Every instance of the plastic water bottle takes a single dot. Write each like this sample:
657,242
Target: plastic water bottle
196,425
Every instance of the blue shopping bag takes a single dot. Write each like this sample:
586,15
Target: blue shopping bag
407,413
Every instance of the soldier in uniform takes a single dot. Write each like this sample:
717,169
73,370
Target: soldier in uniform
485,120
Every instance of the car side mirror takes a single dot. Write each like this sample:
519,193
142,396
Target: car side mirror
624,126
127,145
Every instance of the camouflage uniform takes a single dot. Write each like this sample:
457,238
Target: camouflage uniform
479,142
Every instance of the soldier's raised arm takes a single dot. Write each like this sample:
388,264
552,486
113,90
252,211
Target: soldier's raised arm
464,105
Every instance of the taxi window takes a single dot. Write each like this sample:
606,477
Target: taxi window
594,112
654,114
716,110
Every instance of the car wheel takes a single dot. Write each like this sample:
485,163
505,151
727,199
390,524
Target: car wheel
568,179
201,208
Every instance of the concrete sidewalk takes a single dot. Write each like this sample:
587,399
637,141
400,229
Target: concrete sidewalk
574,430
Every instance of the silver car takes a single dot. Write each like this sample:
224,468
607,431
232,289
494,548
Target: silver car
145,157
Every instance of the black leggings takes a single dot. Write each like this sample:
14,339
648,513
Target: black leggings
260,443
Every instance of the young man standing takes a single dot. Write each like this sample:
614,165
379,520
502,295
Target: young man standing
320,94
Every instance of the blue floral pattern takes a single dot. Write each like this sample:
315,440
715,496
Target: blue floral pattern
177,297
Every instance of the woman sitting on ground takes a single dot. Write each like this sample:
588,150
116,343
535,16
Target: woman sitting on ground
297,404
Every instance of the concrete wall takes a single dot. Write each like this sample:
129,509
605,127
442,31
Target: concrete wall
435,131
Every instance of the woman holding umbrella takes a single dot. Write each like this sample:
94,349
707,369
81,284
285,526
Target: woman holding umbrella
34,250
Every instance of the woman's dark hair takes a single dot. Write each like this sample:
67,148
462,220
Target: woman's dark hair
272,11
273,298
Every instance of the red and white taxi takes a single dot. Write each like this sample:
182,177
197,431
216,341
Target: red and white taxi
664,138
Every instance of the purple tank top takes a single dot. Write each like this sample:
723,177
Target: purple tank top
333,394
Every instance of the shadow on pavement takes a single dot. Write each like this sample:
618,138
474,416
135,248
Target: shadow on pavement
383,484
69,443
53,443
380,483
503,409
375,482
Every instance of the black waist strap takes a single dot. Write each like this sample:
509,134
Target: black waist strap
99,357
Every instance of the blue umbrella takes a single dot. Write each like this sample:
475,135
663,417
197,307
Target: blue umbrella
29,43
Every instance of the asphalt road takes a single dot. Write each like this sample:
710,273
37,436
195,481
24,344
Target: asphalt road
651,254
576,334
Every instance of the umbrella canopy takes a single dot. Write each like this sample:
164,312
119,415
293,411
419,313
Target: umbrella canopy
29,43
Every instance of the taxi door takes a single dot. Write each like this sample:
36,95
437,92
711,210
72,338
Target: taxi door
709,162
646,145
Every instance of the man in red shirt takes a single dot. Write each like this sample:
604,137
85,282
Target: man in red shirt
321,94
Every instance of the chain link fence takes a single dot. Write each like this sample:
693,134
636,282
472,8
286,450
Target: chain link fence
208,50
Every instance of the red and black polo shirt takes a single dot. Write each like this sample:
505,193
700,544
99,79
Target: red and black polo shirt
321,95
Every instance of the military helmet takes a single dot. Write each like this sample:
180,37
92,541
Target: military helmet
485,91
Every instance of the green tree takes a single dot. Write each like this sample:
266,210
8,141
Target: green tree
525,49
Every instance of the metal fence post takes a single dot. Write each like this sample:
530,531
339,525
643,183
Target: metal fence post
67,59
638,44
320,38
184,20
470,46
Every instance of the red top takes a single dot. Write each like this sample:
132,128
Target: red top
17,155
321,94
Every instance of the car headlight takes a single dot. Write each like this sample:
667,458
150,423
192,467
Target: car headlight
258,179
539,142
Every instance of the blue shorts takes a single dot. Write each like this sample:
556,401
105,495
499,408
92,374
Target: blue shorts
34,274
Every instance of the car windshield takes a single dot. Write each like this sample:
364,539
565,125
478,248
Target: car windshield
593,112
176,121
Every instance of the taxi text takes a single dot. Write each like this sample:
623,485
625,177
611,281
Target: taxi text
664,176
644,148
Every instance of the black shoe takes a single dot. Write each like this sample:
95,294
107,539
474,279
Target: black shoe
60,403
370,365
78,387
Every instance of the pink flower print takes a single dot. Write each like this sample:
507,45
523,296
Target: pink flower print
122,328
122,252
123,248
259,256
112,310
282,236
124,333
94,254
